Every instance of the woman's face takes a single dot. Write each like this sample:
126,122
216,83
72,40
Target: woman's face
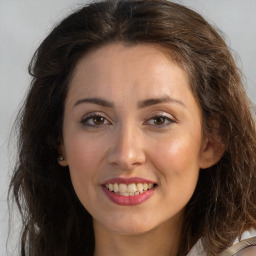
132,125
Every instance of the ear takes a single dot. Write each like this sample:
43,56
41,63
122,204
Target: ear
212,147
211,152
62,159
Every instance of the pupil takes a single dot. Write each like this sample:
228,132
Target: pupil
98,120
159,120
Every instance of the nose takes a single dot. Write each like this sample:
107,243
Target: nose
126,150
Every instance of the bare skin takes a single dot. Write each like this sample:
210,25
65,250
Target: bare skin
130,114
163,240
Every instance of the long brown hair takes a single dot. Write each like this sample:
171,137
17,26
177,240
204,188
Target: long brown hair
224,202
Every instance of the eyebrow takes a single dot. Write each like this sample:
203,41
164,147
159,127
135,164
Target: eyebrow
141,104
97,101
155,101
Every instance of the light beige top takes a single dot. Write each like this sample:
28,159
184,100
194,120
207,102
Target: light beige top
244,247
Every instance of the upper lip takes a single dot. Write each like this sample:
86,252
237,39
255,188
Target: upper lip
120,180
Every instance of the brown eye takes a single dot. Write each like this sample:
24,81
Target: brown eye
159,120
94,120
98,120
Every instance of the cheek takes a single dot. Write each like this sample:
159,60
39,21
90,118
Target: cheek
177,162
179,154
83,159
81,152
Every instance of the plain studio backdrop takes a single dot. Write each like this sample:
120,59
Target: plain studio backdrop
23,25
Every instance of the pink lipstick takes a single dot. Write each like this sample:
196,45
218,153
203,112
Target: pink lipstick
131,191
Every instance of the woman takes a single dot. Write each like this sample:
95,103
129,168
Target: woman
136,136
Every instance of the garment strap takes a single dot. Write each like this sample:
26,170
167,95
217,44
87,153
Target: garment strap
233,250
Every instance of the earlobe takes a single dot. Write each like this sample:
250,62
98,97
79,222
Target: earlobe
62,159
211,153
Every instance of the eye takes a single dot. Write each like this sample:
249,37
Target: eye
94,120
160,121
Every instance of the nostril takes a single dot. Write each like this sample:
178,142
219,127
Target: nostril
125,153
125,163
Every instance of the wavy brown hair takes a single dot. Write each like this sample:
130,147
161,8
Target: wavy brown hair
224,202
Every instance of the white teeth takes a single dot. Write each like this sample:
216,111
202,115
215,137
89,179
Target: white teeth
140,187
110,187
124,194
122,188
130,189
116,188
145,186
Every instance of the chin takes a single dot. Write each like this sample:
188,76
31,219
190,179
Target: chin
128,226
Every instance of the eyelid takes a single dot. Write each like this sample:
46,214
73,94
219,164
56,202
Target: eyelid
94,114
168,116
161,114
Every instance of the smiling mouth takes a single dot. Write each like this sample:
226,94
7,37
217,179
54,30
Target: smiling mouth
132,189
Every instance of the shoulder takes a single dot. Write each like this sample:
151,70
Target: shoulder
246,246
197,249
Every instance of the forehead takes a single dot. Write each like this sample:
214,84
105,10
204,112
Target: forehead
126,76
120,64
136,53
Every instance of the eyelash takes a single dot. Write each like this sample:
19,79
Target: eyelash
85,121
161,116
87,118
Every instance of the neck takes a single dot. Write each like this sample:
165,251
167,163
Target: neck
163,240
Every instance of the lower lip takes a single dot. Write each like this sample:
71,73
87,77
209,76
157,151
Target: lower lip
129,200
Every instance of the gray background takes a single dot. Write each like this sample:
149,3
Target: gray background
24,23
